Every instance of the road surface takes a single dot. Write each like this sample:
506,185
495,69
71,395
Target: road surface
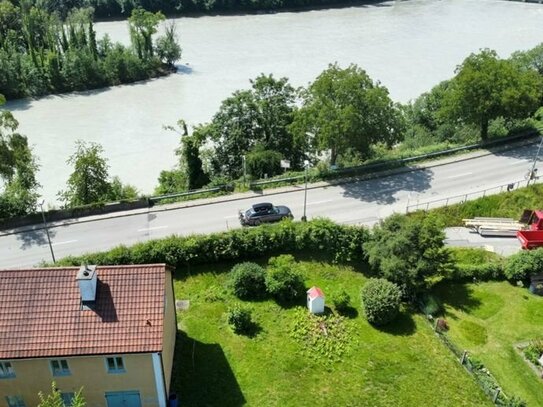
362,203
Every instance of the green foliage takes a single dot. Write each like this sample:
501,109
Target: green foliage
196,178
18,167
521,265
263,162
259,116
515,402
240,319
476,264
248,281
533,351
54,399
409,252
167,46
284,280
89,183
344,108
486,87
40,54
324,338
342,243
381,301
172,181
341,301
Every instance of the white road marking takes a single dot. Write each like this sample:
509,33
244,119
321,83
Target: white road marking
519,163
321,202
60,243
231,217
460,175
152,228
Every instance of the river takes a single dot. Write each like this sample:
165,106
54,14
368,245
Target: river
409,46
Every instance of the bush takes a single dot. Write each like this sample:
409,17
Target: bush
248,281
284,280
341,301
521,265
381,301
262,163
342,243
482,272
533,351
240,320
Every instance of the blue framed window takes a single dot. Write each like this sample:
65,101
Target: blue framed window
115,364
15,401
60,367
6,370
67,399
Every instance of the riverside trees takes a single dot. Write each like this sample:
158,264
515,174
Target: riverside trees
41,54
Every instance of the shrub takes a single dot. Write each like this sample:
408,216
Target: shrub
341,301
284,280
520,265
381,301
533,351
263,162
430,305
239,319
248,281
342,243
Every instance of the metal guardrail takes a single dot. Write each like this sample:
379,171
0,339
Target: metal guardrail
458,199
220,188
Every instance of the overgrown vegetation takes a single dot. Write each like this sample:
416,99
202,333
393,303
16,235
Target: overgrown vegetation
42,53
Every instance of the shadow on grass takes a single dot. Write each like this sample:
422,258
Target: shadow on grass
458,296
252,330
202,375
403,325
348,312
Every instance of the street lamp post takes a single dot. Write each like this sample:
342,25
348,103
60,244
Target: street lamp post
306,164
47,232
244,169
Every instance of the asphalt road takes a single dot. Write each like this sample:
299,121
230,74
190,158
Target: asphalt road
363,202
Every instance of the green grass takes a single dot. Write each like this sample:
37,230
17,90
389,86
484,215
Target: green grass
403,364
487,319
507,204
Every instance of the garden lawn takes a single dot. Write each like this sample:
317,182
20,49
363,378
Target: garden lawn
401,365
487,319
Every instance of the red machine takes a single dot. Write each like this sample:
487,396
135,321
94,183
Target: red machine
532,237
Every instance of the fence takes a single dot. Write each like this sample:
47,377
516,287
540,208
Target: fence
458,199
486,381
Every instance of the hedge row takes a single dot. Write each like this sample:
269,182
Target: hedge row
342,243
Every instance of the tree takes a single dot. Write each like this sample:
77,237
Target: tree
520,266
254,119
54,399
143,24
18,167
89,182
167,47
344,108
409,252
381,301
486,87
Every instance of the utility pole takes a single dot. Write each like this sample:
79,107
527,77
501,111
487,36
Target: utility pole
244,169
306,164
47,232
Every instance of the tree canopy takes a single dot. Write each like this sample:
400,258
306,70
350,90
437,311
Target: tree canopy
18,167
486,87
344,108
409,252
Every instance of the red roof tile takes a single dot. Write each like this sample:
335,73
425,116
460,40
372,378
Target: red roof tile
315,292
41,315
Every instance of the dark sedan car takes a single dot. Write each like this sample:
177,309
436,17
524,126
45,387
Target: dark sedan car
263,212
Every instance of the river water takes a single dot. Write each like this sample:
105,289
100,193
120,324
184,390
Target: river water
409,46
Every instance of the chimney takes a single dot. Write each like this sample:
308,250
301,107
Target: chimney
87,280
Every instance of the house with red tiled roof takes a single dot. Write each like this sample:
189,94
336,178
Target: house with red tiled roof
108,329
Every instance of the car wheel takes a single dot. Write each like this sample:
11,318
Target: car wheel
257,222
